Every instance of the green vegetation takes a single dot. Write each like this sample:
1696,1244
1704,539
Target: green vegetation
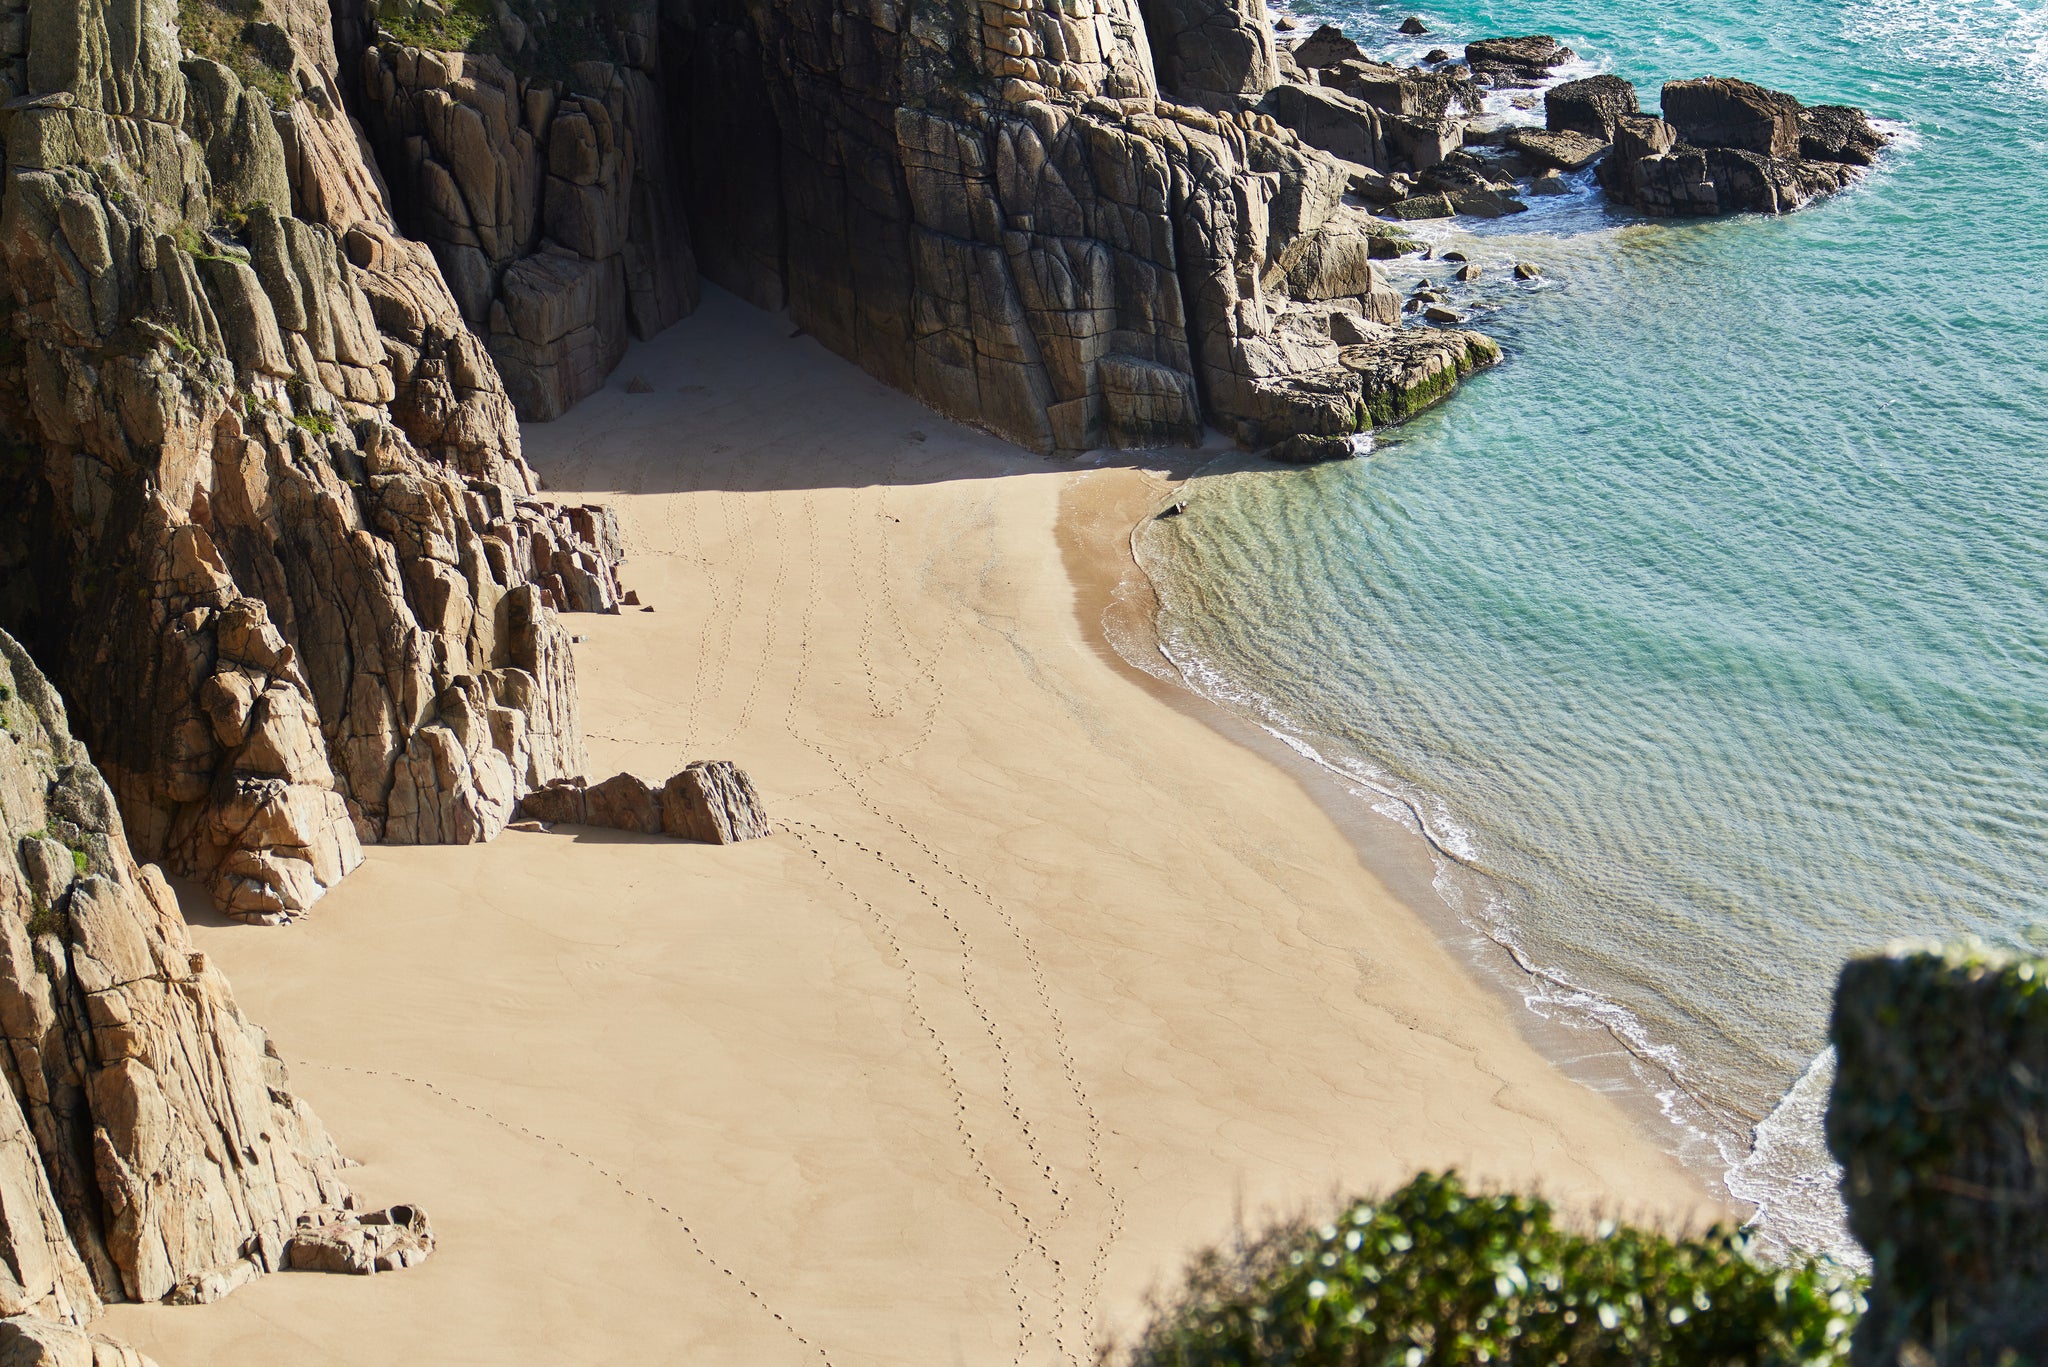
43,920
226,31
203,248
1441,1276
557,33
318,423
459,26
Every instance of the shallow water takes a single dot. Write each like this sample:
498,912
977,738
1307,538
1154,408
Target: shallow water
1707,636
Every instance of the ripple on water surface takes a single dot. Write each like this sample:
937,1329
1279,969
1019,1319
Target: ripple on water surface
1709,632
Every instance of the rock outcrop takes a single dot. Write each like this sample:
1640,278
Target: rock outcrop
1939,1106
1726,146
149,1147
266,521
711,800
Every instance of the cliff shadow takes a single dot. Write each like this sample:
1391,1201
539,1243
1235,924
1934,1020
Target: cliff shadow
740,400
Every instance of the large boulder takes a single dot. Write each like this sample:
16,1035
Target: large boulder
1326,47
712,801
1719,112
1342,125
1589,106
1567,151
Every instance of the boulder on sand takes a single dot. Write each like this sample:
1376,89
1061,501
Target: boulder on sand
710,800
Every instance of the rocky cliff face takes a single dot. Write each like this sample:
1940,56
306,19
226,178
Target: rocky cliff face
148,1145
540,172
267,521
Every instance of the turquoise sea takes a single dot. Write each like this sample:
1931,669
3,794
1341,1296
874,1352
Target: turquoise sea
1707,637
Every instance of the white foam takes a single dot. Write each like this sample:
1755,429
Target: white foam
1792,1180
2007,38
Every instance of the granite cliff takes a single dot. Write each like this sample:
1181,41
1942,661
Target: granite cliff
266,521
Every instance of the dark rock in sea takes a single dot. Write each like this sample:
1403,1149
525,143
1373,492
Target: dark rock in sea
1525,270
1834,132
1435,55
1520,61
1285,25
1549,183
1720,112
1469,272
1452,256
1437,313
1567,151
1327,46
1414,27
1727,146
1589,106
1307,450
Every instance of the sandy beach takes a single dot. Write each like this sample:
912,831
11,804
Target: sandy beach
1042,985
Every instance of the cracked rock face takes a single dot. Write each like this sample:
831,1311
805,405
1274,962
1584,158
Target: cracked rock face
267,523
1060,220
149,1147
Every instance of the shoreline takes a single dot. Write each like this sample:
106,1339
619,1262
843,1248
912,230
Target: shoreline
1116,602
1040,987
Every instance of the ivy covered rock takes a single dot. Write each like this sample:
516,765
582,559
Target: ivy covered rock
1939,1118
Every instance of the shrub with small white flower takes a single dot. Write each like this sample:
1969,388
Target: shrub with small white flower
1436,1276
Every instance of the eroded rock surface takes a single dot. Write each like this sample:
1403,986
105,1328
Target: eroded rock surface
266,521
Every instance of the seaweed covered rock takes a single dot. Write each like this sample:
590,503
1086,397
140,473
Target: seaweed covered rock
1939,1106
1523,61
